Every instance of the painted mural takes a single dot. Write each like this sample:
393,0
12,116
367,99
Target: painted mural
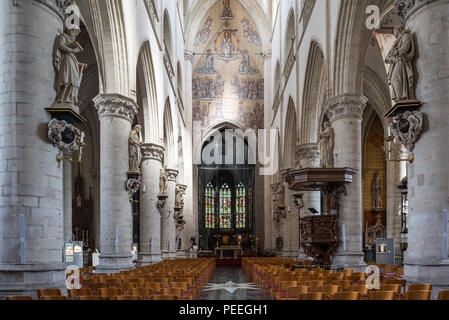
227,82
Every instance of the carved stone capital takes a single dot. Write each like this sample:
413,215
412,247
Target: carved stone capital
407,7
309,151
151,151
188,56
267,55
172,175
346,107
115,105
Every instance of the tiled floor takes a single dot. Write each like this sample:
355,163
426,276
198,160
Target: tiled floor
231,283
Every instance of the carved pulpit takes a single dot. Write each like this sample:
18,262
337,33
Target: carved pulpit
319,236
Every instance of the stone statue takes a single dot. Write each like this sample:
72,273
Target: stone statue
377,191
163,181
179,199
68,68
401,76
134,149
327,143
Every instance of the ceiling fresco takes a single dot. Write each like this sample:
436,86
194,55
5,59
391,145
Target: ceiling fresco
228,80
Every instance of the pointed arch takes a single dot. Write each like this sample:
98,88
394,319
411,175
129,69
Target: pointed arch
168,39
290,35
169,136
351,42
290,136
147,94
313,95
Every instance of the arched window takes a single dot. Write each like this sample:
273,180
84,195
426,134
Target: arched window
240,203
210,206
225,220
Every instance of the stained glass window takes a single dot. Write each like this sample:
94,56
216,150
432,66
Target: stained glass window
240,203
210,206
225,207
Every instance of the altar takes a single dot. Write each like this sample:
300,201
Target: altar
234,249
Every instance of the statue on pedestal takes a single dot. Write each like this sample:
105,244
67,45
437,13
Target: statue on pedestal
134,149
163,181
401,76
327,143
69,70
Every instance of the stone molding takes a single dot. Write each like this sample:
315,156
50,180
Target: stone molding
151,151
406,8
188,56
115,105
308,151
346,107
267,55
172,175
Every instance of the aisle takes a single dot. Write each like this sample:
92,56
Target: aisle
231,283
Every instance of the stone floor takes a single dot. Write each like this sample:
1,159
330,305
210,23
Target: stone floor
231,283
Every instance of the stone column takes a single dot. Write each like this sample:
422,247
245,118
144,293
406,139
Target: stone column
67,196
116,114
30,179
168,226
150,216
429,175
309,157
190,215
290,226
345,114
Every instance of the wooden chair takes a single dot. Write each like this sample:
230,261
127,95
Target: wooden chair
48,292
145,293
346,296
90,298
80,292
109,293
329,290
344,284
363,290
311,296
443,295
420,287
396,288
127,298
418,295
19,298
126,287
382,295
173,292
163,297
54,298
402,283
293,293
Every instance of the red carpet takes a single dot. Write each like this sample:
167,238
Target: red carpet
229,262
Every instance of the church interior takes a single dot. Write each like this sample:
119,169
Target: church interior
224,150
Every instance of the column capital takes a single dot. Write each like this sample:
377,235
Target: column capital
267,55
115,105
188,55
308,151
172,175
151,151
345,107
406,8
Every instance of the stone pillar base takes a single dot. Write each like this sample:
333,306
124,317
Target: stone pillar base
435,273
111,263
183,254
349,260
17,279
168,255
148,258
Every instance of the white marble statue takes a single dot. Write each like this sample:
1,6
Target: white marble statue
134,149
327,143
